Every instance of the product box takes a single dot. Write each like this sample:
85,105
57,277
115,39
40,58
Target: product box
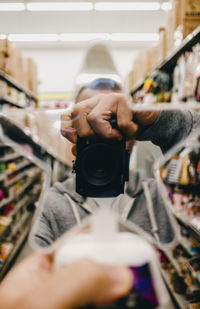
187,18
184,30
3,88
190,9
6,47
2,61
32,75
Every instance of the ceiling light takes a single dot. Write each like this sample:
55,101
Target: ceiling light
8,6
137,37
166,6
59,6
127,6
33,37
77,37
82,37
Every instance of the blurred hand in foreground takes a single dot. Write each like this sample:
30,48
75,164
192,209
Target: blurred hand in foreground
35,284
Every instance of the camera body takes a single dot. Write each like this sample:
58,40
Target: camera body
101,167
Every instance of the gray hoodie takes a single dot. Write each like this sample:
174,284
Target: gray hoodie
64,207
58,214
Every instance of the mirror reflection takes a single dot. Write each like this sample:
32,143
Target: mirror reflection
105,132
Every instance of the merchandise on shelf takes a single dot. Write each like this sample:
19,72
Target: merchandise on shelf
181,267
5,249
186,76
182,86
180,173
14,64
20,188
156,88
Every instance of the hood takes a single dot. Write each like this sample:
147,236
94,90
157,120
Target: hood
133,187
68,186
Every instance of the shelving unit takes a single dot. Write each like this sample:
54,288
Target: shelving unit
169,63
7,100
41,150
179,299
13,252
182,219
12,82
179,172
17,168
23,183
9,157
167,66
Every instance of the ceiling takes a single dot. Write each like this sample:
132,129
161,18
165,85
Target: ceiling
29,22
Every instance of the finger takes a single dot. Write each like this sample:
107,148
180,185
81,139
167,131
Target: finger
79,117
125,119
74,150
66,128
99,117
83,283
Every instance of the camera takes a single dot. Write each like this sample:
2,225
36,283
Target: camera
101,166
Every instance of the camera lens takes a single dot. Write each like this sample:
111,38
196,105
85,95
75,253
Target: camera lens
99,165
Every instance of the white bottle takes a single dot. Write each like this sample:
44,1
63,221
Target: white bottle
123,248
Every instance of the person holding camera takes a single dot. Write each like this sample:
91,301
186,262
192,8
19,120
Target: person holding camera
96,102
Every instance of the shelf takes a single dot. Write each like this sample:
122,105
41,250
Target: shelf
184,221
7,100
179,298
173,261
187,188
169,63
12,82
15,133
14,252
6,201
18,177
166,106
22,202
20,191
194,275
25,200
26,185
183,241
18,167
15,179
17,226
28,172
10,157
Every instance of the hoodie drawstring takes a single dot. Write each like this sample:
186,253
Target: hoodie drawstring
74,209
150,210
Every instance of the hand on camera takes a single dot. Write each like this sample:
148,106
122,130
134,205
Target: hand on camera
91,117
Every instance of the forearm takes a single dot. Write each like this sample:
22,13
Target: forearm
170,128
